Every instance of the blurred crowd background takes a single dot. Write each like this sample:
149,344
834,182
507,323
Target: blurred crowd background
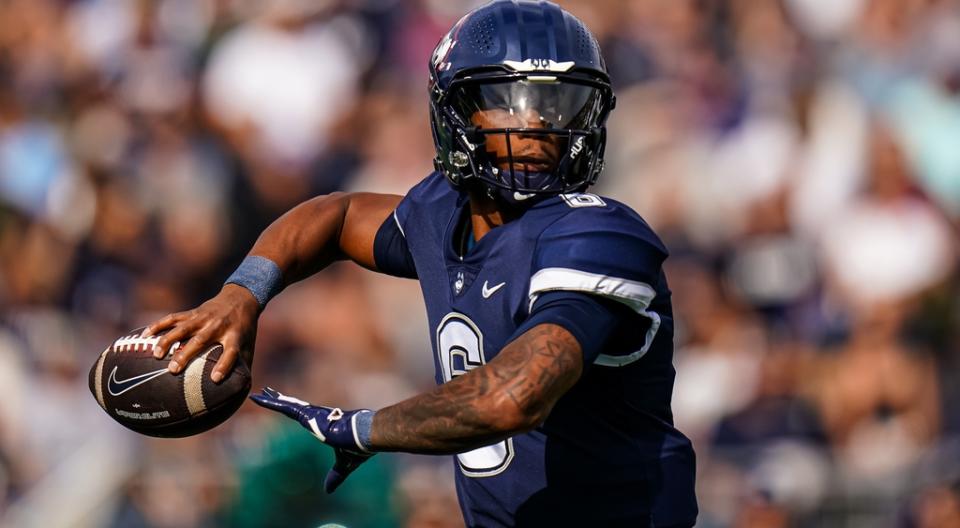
801,159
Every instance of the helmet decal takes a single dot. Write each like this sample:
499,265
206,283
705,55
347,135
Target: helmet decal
440,54
540,65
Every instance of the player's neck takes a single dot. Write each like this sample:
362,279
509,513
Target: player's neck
486,214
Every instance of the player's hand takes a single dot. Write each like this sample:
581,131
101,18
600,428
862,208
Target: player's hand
332,426
230,319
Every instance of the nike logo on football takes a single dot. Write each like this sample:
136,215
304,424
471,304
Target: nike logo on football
117,387
487,291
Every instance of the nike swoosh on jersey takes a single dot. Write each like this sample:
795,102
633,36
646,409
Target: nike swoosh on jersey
117,387
518,196
487,291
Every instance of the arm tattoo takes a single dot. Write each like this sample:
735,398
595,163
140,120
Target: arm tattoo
512,393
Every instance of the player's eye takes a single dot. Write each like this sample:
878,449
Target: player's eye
531,104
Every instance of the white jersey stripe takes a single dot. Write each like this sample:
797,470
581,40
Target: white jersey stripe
635,294
400,227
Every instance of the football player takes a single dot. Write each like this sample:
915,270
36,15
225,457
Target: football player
550,315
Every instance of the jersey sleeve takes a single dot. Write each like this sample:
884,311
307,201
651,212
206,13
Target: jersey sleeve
414,228
590,319
608,252
391,253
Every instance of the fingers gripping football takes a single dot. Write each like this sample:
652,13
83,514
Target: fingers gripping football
229,319
175,331
198,339
231,350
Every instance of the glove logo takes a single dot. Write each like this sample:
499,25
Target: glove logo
117,387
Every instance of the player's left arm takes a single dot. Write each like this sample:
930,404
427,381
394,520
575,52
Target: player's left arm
513,393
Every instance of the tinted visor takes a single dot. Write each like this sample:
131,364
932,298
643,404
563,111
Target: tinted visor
529,104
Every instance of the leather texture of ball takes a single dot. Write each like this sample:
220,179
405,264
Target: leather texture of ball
136,390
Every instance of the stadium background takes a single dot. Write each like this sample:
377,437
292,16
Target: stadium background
799,157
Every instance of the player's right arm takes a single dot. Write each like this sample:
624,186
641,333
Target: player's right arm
325,229
303,241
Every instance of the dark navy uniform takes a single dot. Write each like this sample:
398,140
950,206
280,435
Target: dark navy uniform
608,455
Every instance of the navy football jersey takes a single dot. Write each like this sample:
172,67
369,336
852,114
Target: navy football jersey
608,454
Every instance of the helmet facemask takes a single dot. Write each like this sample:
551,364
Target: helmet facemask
522,135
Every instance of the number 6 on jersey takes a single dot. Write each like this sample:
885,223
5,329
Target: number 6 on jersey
460,349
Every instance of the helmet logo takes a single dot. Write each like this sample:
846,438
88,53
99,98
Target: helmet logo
576,148
442,52
538,65
439,59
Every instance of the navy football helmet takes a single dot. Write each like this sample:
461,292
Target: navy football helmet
509,72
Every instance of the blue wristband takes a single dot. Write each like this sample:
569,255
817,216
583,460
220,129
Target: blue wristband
261,276
363,426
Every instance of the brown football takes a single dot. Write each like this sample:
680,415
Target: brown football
136,390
